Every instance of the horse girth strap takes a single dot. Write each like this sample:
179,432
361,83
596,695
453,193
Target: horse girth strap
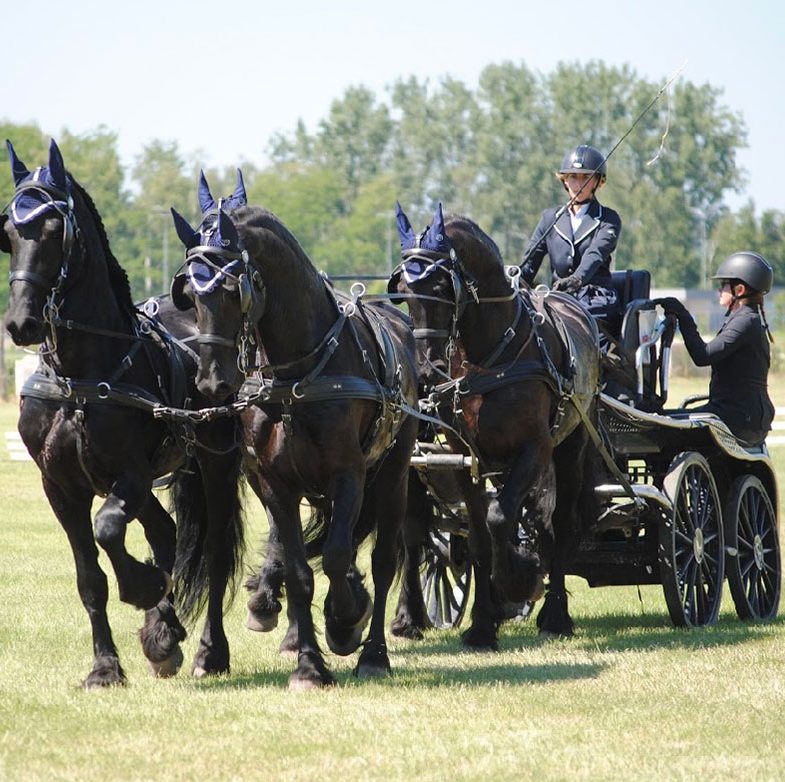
326,388
42,386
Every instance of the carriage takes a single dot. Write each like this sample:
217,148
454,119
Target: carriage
683,503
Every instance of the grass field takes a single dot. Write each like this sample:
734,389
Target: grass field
629,698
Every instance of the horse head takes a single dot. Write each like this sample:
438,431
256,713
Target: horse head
429,278
38,230
227,294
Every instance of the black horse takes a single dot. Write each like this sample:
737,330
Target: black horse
517,375
90,418
334,395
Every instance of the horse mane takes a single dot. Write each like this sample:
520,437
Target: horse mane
468,225
118,278
259,217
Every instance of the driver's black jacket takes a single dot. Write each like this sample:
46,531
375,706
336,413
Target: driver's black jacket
739,358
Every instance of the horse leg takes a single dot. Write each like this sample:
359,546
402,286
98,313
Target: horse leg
348,606
388,502
161,633
73,513
266,587
516,574
283,508
220,477
570,457
481,635
141,584
410,615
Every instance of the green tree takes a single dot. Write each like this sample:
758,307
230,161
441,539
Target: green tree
164,179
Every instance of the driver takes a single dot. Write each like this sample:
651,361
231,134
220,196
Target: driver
739,356
581,242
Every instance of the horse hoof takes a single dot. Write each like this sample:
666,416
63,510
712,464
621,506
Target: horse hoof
477,641
366,671
410,632
165,669
261,624
305,685
199,673
106,672
349,643
547,636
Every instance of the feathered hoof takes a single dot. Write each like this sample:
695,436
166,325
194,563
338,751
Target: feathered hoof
165,669
406,630
479,640
297,684
405,626
372,671
344,640
261,623
373,663
106,672
310,674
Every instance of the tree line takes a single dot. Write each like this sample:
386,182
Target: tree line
487,151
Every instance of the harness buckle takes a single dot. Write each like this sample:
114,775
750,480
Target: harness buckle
104,389
295,393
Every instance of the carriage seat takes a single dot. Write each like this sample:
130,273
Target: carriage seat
631,284
633,287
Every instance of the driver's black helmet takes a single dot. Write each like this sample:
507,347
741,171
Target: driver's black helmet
751,268
584,160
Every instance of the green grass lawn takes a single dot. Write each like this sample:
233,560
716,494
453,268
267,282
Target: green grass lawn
629,698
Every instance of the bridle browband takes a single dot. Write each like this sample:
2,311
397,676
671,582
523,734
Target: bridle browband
465,291
55,197
252,293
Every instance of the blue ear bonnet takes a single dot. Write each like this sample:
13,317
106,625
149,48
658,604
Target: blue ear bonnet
31,202
433,240
216,230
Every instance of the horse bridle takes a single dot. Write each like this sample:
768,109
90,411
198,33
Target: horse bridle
71,234
465,290
252,294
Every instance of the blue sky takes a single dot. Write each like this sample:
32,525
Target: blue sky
220,78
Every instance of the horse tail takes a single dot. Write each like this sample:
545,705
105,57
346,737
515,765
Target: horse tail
196,555
318,527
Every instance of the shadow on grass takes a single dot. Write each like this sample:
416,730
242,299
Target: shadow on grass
611,632
615,632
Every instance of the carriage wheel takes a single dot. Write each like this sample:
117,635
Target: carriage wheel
751,530
446,578
691,543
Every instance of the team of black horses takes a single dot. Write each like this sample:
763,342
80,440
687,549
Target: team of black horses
256,368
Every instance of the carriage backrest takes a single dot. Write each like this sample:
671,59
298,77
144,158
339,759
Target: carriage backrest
631,284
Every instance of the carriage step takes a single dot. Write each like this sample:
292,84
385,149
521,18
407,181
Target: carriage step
441,461
643,490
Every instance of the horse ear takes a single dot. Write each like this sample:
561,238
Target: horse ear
229,237
435,238
18,169
186,234
177,292
56,165
405,231
206,200
239,194
438,220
